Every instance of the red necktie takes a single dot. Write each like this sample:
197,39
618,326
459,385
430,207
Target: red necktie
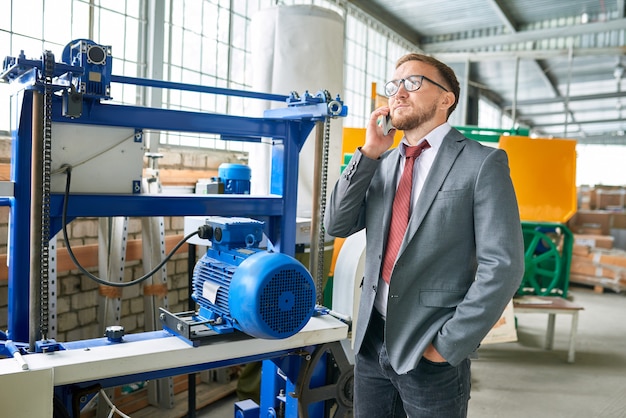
401,209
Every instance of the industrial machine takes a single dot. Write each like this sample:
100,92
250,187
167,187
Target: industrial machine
543,171
256,301
240,286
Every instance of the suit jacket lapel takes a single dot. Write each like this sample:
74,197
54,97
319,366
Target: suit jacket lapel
451,146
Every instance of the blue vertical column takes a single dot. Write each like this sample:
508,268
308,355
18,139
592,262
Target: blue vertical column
284,182
18,251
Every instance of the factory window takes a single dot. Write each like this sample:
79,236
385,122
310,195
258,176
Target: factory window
370,56
209,42
52,24
203,42
489,115
206,43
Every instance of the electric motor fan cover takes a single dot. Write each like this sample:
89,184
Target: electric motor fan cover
264,294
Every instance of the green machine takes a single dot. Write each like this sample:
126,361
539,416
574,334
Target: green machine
547,257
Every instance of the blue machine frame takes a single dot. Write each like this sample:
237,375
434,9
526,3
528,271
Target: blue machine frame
288,128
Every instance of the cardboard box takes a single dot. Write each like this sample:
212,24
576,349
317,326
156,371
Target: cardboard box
618,221
586,267
615,258
594,241
597,281
604,268
581,250
610,199
619,238
593,222
584,197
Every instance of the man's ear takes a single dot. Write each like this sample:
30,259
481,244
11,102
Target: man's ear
448,99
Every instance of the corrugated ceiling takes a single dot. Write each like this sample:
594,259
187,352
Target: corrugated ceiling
557,66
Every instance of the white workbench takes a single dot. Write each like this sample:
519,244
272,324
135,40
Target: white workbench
29,393
551,306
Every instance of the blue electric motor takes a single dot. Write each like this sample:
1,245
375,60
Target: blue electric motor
240,286
236,178
97,62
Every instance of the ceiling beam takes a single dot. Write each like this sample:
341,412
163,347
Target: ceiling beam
502,15
480,56
471,44
602,140
550,100
388,19
580,122
512,27
560,112
537,66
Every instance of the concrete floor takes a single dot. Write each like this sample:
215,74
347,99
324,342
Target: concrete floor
521,379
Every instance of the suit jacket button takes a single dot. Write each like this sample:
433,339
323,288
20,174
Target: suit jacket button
374,288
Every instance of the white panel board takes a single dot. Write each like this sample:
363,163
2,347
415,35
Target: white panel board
104,159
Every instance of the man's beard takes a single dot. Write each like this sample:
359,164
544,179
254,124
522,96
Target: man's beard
414,120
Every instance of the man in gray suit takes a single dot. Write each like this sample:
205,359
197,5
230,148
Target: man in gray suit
432,292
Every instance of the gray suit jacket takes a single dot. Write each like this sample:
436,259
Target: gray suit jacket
462,258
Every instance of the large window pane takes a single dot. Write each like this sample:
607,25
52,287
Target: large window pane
191,50
57,25
193,15
5,17
80,20
28,18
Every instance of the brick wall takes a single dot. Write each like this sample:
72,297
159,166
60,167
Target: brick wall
78,298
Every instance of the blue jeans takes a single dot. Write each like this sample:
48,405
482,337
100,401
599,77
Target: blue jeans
431,390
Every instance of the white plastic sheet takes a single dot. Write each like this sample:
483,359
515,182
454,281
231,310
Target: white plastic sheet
297,48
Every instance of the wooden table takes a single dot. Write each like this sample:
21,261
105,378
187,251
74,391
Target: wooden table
551,306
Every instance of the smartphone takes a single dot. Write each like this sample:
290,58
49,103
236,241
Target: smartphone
387,126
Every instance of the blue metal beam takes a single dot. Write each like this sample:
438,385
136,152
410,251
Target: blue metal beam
246,128
194,87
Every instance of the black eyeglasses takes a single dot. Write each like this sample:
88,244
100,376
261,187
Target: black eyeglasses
411,83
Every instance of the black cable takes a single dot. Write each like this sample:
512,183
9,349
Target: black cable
68,172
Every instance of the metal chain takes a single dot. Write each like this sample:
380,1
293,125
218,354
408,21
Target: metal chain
321,243
45,201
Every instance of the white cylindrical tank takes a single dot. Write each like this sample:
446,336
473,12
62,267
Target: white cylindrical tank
297,48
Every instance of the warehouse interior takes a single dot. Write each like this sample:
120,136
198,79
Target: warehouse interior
143,143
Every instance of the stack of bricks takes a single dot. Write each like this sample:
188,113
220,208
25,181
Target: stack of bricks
79,296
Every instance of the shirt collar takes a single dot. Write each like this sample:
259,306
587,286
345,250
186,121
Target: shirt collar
434,137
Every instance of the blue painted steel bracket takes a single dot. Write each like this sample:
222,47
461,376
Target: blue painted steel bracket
197,88
15,67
